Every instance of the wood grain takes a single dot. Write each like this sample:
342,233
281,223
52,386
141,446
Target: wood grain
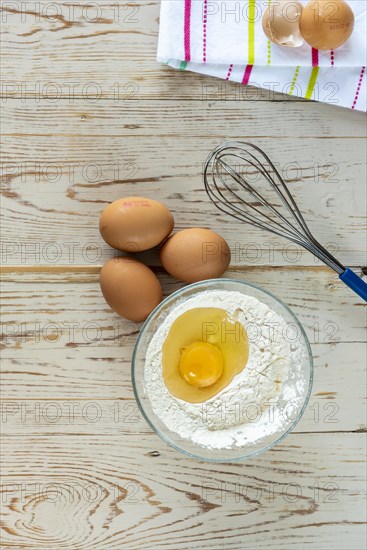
93,492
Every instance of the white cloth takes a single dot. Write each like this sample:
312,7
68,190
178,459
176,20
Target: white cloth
224,38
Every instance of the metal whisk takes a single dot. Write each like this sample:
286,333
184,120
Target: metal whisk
228,172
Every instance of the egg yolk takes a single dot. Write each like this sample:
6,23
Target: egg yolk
201,364
203,350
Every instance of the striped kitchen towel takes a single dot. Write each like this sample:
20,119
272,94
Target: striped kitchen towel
224,38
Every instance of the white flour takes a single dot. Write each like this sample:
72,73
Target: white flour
259,401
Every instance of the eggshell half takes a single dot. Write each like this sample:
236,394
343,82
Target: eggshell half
281,23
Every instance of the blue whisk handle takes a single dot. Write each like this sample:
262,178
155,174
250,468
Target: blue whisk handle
354,282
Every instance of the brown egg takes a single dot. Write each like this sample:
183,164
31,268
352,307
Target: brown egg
133,224
130,288
326,24
195,254
281,23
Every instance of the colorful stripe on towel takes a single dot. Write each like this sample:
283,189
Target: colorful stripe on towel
358,87
314,73
187,30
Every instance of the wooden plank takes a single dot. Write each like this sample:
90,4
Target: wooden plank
86,393
63,163
300,494
62,343
105,50
38,390
194,119
329,311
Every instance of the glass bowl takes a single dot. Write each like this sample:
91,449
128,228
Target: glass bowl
187,446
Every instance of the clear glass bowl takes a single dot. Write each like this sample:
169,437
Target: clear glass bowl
187,446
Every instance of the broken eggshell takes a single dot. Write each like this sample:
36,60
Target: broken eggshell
281,23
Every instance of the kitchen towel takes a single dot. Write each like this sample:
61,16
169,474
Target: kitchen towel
225,39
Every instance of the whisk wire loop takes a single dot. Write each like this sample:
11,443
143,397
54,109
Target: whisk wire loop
230,199
248,187
277,186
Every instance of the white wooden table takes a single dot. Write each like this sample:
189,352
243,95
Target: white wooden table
88,117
